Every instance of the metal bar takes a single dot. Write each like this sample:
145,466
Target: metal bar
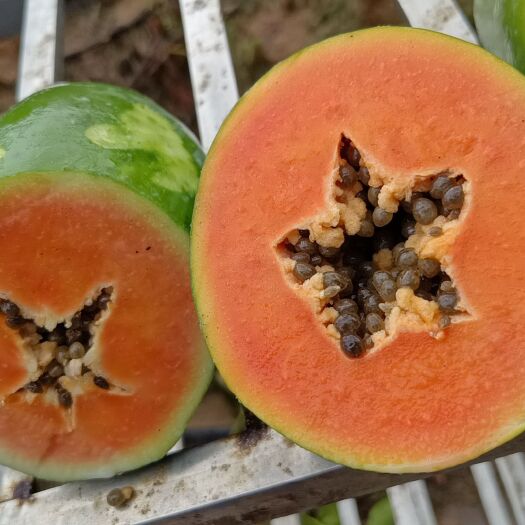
211,69
294,519
492,499
411,504
512,472
439,15
247,478
41,46
348,512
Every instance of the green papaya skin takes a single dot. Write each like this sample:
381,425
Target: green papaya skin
107,131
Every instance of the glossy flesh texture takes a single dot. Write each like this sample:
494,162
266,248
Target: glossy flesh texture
96,189
414,103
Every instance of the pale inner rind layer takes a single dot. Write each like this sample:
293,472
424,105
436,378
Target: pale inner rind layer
344,213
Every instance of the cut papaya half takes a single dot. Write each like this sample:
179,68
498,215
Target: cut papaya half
357,250
101,358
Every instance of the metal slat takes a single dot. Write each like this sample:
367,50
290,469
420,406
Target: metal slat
294,519
348,512
512,472
492,499
443,16
41,46
411,504
247,478
211,68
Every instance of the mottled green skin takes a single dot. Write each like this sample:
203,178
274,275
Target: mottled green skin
106,131
501,28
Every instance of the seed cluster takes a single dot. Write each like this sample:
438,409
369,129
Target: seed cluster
361,292
59,352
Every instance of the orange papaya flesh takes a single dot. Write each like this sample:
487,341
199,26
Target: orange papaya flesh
62,238
416,104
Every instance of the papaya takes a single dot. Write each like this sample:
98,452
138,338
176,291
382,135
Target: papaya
101,357
357,250
501,28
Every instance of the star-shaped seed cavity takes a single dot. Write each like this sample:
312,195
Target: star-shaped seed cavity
376,260
59,358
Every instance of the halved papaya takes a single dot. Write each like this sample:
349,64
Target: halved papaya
101,358
357,250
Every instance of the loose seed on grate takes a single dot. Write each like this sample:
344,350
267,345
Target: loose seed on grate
301,257
424,210
119,497
76,350
440,186
447,302
347,323
387,290
408,278
101,382
352,345
374,322
428,267
373,194
453,198
303,271
381,217
346,306
305,245
406,258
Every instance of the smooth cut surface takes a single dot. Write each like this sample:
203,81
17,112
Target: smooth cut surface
414,103
62,236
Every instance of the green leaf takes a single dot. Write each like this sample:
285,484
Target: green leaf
501,28
381,513
326,515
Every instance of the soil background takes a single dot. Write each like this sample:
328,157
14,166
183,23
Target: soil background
140,44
